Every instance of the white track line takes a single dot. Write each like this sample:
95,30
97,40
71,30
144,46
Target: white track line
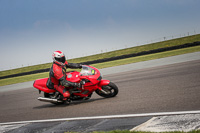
106,117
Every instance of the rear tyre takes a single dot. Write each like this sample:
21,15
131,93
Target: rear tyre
111,89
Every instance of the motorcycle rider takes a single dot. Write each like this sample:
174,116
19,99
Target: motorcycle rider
57,74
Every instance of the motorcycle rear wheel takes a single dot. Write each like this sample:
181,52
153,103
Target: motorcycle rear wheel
111,89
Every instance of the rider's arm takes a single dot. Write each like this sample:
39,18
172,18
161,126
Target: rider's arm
73,65
58,74
66,83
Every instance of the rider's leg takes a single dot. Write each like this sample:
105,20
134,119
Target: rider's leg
62,90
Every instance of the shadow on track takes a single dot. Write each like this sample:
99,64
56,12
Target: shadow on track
50,105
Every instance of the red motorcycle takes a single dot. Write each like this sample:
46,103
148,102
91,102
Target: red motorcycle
90,79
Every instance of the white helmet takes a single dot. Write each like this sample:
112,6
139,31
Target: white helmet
59,58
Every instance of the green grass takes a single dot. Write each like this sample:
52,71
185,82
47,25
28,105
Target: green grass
21,79
147,57
137,49
106,64
25,69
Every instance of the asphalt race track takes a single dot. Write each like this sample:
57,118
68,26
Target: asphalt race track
166,88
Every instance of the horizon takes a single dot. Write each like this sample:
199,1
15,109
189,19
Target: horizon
30,31
108,51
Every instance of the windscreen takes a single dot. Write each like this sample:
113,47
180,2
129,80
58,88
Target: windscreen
86,71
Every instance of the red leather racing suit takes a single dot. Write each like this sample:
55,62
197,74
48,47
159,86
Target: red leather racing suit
57,78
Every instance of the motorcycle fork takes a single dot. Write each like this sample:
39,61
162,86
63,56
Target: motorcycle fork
103,83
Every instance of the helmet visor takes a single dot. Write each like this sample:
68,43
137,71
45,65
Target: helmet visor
62,59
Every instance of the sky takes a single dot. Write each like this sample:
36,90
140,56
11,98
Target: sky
31,30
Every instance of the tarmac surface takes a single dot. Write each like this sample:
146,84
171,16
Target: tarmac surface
164,88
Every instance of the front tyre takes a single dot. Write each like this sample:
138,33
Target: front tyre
110,90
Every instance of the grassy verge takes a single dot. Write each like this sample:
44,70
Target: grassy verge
21,79
137,49
169,43
147,57
106,64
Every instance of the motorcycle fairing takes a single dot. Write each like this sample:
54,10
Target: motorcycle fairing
103,82
73,76
40,84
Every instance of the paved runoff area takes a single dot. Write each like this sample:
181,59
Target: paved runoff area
186,123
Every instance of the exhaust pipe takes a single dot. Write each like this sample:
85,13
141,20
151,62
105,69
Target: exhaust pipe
44,99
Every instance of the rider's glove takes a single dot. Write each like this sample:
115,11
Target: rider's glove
82,82
78,85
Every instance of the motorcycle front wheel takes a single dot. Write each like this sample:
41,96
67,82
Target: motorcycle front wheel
110,90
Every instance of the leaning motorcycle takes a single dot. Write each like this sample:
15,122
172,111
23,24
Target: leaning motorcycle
90,79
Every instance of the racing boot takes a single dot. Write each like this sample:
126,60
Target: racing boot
66,100
63,91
